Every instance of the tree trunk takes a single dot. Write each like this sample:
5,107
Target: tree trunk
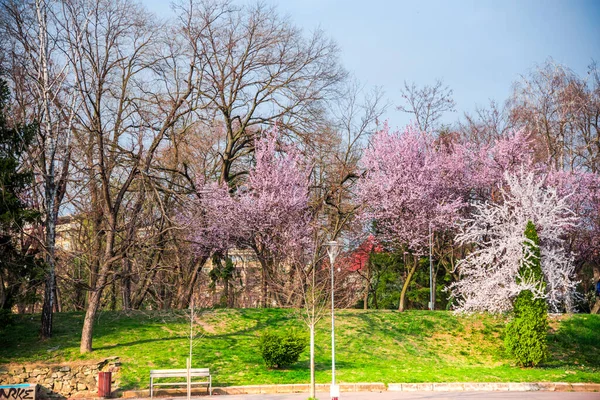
596,308
402,305
113,295
96,295
49,151
48,307
435,272
126,285
312,359
264,288
88,322
57,297
367,287
187,288
3,301
375,305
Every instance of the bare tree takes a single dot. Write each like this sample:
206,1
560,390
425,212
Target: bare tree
486,124
428,104
39,74
259,70
134,85
562,110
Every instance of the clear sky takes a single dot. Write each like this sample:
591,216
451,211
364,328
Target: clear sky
477,47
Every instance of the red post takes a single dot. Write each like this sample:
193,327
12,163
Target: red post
104,379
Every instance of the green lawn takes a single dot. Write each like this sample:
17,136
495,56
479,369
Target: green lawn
372,346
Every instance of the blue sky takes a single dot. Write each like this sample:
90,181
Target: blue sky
477,47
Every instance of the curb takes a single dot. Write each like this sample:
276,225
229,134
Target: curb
495,387
379,387
258,389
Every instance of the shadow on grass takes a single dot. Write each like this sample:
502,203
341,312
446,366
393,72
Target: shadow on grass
577,342
138,342
274,320
21,340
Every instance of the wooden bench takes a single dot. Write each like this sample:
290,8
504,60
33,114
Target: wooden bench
180,373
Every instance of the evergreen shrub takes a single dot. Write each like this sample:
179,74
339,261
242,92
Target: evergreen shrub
525,335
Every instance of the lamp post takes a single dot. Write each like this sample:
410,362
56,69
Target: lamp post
431,292
333,249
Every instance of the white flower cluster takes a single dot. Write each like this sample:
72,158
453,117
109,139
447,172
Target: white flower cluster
489,275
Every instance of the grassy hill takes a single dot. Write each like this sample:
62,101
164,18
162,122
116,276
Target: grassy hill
372,346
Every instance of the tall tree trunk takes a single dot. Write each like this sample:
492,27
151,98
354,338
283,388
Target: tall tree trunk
3,297
113,295
57,298
367,286
126,284
312,359
50,286
402,305
90,316
264,287
186,289
49,152
375,300
96,294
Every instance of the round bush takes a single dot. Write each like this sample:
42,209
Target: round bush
280,349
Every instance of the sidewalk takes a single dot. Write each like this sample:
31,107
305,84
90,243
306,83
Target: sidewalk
380,390
467,395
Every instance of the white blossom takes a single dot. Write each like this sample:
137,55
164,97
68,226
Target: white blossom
489,274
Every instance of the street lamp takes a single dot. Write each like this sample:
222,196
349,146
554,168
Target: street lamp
333,249
431,291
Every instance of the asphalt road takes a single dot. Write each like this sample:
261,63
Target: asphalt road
426,396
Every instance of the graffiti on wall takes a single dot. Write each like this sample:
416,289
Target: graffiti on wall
17,392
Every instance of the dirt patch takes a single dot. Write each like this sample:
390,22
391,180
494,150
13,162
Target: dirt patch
206,327
171,331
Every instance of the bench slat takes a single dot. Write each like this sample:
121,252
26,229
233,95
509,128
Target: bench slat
180,383
177,371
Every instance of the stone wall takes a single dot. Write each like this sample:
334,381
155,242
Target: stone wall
62,380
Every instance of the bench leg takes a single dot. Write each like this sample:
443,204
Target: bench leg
151,387
210,385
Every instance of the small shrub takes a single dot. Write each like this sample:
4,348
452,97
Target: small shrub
525,336
282,349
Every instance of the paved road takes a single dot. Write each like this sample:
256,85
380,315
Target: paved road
426,396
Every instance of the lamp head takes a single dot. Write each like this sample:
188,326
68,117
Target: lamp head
333,249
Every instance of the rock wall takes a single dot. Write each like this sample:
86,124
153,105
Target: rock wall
62,380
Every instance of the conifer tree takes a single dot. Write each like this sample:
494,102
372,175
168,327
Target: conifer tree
16,267
525,337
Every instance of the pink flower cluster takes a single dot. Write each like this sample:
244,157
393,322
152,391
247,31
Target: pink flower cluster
269,213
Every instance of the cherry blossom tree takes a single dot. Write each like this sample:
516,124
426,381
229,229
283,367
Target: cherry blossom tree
268,214
274,211
411,183
489,275
487,163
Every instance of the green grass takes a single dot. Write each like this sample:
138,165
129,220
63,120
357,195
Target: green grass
371,346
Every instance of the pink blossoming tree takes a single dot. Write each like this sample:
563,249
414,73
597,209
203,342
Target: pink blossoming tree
411,183
268,214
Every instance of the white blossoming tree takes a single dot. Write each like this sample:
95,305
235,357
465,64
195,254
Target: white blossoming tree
489,274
